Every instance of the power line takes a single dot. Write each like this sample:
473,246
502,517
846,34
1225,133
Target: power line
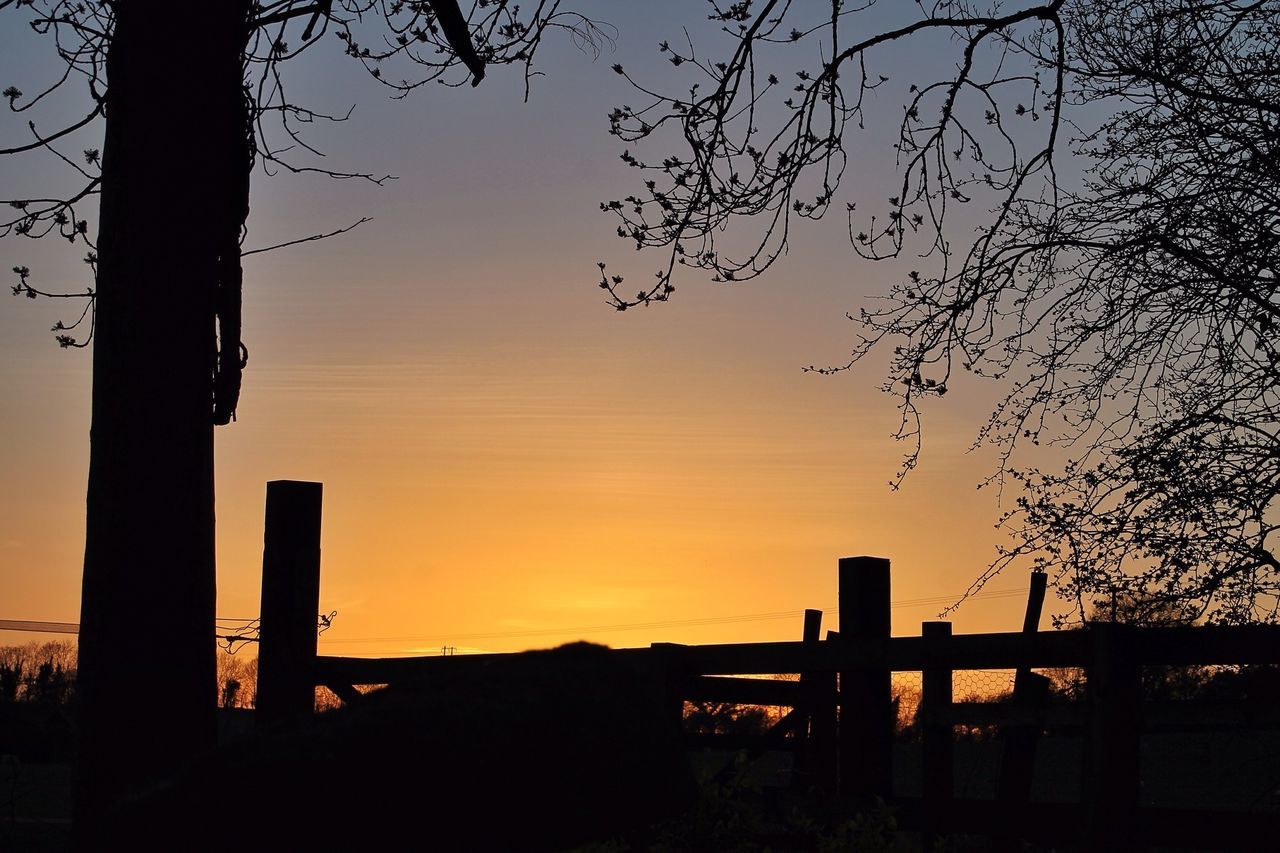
665,624
42,627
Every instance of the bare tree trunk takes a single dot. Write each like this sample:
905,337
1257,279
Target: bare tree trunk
174,165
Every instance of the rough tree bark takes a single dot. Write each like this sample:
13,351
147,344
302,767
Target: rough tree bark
172,207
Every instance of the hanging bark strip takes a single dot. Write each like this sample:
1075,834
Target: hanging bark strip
232,355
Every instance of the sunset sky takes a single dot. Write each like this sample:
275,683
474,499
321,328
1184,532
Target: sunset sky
507,462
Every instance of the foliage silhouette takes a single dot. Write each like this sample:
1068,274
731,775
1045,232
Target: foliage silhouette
549,750
1119,162
37,698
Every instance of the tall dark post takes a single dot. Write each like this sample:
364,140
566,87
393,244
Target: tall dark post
935,732
671,681
866,701
817,690
1035,603
1030,694
290,603
812,626
1112,777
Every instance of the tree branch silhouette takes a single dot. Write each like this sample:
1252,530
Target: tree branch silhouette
1128,304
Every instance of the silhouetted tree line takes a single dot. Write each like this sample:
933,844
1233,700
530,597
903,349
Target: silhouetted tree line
237,681
727,718
43,673
38,696
38,682
37,693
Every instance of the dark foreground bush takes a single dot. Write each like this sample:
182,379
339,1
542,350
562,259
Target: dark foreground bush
37,731
551,750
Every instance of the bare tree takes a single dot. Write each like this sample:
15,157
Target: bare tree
191,98
237,680
1121,161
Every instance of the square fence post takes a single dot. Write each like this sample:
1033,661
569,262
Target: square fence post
1020,740
290,603
818,691
672,677
1112,780
866,697
825,728
935,736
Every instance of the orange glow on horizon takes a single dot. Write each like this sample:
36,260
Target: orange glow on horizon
504,457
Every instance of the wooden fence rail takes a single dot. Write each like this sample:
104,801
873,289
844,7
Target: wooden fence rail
842,726
1109,815
1183,646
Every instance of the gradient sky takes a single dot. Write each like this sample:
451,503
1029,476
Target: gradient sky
507,461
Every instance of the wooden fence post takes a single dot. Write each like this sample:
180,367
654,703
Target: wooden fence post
1112,780
817,691
1035,604
673,681
866,694
936,738
290,603
824,730
1030,695
812,626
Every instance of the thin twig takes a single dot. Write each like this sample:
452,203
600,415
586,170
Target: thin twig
313,237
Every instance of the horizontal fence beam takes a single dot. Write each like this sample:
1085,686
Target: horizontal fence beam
1248,644
349,670
990,651
1207,645
902,654
743,691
